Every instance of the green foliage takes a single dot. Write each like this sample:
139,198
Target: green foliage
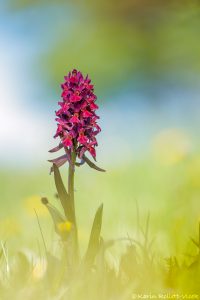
118,41
156,256
62,193
67,229
94,242
134,275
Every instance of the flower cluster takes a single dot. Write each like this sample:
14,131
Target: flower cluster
76,119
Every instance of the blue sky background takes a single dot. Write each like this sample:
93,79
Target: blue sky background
132,115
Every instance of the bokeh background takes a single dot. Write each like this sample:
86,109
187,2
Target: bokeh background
144,59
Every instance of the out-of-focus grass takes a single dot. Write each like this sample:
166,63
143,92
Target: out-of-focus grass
169,192
165,189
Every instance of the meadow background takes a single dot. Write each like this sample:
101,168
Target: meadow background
144,59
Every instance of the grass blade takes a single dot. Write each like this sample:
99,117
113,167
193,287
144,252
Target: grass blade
40,228
196,244
199,236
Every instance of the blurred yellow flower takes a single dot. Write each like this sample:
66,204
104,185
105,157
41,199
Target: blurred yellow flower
9,227
171,146
32,204
64,226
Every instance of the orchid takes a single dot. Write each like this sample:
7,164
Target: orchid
77,129
76,119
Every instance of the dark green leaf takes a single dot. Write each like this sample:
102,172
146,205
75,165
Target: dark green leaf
91,164
55,214
62,193
196,243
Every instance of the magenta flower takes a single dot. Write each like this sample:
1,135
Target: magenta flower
76,118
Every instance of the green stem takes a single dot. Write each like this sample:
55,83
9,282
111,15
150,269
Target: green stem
71,195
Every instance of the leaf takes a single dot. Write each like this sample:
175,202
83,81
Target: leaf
196,243
21,269
62,193
56,265
199,235
78,164
62,226
92,165
94,241
147,230
57,148
59,161
1,252
55,214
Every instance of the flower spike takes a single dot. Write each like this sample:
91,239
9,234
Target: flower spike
76,117
76,120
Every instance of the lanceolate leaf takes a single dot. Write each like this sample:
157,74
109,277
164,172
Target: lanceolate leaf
78,164
196,243
62,226
57,148
55,214
91,164
94,241
62,193
59,161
